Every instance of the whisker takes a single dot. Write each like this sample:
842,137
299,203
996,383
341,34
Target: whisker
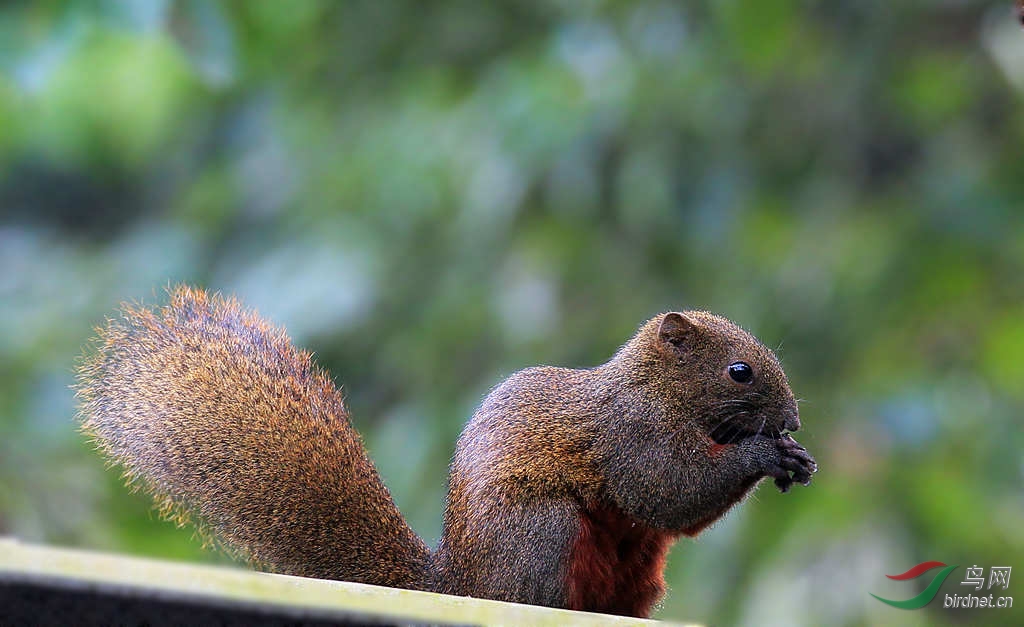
764,419
736,402
733,431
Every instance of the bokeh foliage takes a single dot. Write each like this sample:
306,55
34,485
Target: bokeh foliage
433,195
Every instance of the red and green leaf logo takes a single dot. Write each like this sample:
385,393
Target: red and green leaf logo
928,594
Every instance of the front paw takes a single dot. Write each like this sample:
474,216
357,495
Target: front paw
793,458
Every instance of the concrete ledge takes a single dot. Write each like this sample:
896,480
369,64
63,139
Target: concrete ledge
44,586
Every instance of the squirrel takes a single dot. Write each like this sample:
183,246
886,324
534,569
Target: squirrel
566,489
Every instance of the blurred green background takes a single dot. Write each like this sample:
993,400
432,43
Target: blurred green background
431,196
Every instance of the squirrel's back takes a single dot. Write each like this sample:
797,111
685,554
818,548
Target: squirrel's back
206,405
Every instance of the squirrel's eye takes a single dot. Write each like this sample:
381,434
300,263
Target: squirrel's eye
741,372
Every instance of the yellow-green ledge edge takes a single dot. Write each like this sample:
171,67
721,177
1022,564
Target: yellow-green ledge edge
296,592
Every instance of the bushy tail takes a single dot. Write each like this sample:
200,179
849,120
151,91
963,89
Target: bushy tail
215,413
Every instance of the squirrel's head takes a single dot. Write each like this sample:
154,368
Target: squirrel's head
726,380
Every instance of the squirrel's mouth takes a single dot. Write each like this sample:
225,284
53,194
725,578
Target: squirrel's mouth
730,433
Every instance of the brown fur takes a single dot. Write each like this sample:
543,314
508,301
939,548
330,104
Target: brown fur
216,414
567,486
616,564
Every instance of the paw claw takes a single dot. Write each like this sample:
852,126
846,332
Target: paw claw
794,459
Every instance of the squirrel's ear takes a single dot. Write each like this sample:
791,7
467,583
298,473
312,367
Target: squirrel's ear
674,329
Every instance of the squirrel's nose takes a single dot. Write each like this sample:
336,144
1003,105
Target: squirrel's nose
792,422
